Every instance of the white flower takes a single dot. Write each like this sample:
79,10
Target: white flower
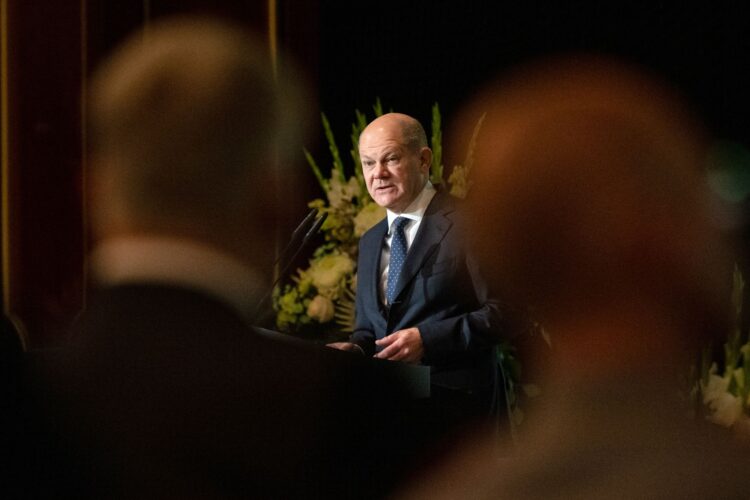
370,215
328,271
321,309
726,408
340,194
715,387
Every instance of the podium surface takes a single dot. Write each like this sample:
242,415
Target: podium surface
415,379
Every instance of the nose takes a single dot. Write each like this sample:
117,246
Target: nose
380,170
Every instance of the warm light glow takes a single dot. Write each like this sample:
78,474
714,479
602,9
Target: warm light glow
273,37
4,149
84,147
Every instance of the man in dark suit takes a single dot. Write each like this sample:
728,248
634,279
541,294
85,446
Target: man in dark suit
165,389
420,297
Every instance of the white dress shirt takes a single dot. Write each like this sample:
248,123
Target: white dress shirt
415,211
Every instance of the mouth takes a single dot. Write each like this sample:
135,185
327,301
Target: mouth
381,189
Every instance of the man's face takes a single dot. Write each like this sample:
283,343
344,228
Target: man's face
394,173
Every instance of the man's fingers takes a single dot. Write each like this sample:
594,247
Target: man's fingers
342,346
400,355
386,353
387,340
389,351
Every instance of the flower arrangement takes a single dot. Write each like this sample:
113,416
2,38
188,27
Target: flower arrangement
318,301
724,386
320,297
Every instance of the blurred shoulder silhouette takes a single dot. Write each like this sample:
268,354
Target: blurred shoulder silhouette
11,343
591,171
165,389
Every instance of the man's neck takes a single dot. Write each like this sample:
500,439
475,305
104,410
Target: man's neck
177,262
418,205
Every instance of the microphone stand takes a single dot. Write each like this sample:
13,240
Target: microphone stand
299,231
314,229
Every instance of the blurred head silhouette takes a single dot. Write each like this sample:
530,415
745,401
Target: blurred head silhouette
186,120
591,207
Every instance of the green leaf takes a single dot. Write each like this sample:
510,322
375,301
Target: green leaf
338,165
738,287
436,144
357,127
316,170
378,107
345,311
469,160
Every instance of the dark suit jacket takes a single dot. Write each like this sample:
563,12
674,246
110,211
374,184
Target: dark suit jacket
165,392
441,292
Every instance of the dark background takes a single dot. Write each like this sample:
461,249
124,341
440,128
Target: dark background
410,54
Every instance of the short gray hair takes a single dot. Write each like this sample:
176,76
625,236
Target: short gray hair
414,135
182,111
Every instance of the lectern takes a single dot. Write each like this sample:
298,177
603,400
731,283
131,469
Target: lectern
415,379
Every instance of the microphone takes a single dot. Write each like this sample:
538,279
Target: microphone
314,229
310,233
296,234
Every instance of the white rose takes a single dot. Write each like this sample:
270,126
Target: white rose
320,309
327,272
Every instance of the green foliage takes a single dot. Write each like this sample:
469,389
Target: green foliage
724,384
436,144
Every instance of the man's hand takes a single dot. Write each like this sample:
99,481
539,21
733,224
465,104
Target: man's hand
403,345
346,346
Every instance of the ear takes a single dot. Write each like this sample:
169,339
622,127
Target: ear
425,159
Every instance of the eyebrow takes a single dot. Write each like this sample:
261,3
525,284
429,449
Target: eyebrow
386,152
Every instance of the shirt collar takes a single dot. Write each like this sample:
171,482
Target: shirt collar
180,263
417,208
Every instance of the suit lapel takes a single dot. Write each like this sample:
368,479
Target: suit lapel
435,224
373,249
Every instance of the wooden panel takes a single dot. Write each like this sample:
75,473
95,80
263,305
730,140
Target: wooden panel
43,230
50,48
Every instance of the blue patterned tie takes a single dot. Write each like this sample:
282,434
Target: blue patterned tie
398,256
